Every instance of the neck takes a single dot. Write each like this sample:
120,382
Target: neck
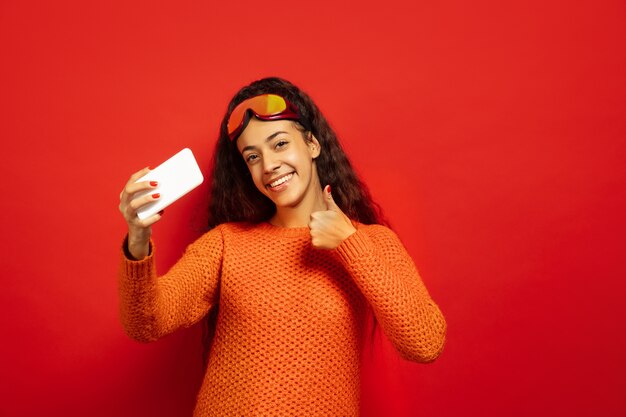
300,215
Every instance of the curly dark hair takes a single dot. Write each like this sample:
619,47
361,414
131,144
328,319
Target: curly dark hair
234,196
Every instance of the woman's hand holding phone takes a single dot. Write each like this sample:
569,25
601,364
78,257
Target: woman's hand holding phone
148,192
139,231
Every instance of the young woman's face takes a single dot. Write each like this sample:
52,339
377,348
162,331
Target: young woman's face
280,161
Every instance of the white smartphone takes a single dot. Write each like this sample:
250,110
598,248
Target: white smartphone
176,177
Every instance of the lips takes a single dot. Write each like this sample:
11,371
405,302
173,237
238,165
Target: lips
280,180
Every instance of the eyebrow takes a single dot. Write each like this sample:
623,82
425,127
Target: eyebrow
267,139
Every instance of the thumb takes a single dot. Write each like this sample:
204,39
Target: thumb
330,202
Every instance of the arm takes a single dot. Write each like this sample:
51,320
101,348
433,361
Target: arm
387,277
151,306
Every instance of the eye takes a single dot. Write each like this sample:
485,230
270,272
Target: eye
281,143
251,158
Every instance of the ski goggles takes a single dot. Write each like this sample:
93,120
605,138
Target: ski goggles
265,107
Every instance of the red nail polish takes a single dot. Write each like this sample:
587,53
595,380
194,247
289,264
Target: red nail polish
154,183
329,190
157,195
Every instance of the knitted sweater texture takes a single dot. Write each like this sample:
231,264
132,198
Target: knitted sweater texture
291,318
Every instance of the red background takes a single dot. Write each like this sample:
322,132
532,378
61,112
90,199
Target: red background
491,132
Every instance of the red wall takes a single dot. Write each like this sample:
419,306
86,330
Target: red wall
491,132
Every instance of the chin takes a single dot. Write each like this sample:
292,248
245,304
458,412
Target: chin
286,200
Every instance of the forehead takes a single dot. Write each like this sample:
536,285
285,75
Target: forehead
257,131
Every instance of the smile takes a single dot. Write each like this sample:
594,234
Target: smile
280,181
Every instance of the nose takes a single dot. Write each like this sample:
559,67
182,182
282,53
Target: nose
270,163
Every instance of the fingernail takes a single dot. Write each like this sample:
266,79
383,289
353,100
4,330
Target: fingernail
150,168
154,183
157,195
329,189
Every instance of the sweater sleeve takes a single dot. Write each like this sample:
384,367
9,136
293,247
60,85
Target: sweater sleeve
388,278
151,306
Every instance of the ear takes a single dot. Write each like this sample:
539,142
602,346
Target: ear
314,147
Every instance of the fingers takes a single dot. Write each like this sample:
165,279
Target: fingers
330,202
139,174
129,204
130,210
330,227
333,206
138,202
132,186
152,219
136,195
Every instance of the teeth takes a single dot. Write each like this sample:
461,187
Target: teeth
280,181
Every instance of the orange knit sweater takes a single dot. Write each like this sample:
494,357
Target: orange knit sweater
290,323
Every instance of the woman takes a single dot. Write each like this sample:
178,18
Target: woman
295,258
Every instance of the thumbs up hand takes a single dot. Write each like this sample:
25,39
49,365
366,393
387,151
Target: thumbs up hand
330,227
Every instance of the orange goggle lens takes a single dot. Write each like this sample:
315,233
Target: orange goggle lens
264,107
